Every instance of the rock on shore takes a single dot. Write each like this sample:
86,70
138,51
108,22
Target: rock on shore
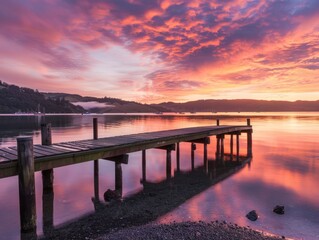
189,230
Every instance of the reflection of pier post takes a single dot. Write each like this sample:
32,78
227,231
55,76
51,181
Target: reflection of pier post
177,157
193,148
26,184
47,180
143,165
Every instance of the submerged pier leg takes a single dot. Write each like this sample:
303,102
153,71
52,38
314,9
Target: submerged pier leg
218,147
237,147
168,164
231,147
222,149
193,148
96,165
47,175
26,184
144,165
118,178
47,182
177,157
249,140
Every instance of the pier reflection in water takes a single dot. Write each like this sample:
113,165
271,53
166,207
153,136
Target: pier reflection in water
154,200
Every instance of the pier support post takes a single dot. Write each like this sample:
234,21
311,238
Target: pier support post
193,148
144,165
237,146
231,147
118,178
47,175
26,184
249,140
222,149
218,140
205,157
47,182
168,164
96,164
177,157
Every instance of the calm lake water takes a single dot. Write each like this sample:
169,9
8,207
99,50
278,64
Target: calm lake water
284,171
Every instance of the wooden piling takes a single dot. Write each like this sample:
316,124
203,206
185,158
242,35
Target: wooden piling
205,158
95,128
26,184
177,157
231,147
237,147
144,165
118,178
193,148
222,149
47,175
168,163
96,163
249,140
217,147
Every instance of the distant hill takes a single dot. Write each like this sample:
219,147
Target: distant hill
15,99
106,104
242,105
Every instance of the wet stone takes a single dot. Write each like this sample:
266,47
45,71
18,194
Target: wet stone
279,209
252,215
110,195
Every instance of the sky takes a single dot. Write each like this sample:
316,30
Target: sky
155,51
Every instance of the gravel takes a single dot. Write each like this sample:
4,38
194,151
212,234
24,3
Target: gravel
189,230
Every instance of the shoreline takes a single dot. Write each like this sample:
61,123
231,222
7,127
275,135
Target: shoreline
190,230
138,214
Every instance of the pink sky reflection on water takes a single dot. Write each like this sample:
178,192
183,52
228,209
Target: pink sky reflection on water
284,171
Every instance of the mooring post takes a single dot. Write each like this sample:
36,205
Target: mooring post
193,148
205,157
26,184
144,165
177,157
222,150
47,175
118,178
217,146
231,147
96,164
168,164
249,140
237,146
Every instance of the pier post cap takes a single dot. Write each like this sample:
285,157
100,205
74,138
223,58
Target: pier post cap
24,138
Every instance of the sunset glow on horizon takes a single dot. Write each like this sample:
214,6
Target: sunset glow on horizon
153,51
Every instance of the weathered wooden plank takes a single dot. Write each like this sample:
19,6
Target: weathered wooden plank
53,149
8,150
7,156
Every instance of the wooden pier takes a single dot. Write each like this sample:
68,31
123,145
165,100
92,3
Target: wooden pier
26,158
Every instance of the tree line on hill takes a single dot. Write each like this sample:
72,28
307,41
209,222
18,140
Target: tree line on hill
15,99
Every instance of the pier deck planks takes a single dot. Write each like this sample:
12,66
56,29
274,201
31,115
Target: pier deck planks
62,154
